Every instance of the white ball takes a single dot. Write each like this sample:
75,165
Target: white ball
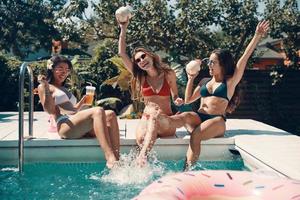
193,67
123,13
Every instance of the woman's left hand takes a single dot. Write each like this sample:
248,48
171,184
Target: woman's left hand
262,28
83,99
42,80
178,101
81,104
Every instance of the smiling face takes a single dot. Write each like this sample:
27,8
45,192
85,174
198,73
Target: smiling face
143,60
215,69
60,72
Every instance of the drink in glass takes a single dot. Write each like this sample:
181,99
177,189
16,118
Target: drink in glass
90,93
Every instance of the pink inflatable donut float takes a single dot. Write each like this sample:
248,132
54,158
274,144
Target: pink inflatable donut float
221,185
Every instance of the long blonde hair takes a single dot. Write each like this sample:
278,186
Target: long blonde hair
138,73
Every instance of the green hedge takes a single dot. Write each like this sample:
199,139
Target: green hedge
9,76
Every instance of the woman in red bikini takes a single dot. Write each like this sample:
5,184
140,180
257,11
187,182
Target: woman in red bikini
155,82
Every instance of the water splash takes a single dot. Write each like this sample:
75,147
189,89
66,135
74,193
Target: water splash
10,169
127,172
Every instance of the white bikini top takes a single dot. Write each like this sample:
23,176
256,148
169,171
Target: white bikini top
61,97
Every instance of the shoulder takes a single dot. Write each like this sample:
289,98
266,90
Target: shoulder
170,74
41,87
204,81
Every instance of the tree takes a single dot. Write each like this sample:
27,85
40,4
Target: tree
153,26
27,26
284,22
238,20
68,21
193,37
24,25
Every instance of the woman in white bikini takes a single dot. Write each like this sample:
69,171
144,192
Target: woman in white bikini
72,121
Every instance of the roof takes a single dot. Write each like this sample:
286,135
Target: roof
269,40
264,52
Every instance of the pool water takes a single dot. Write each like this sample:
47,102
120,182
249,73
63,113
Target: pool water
91,180
4,116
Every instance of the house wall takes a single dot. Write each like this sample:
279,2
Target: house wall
266,63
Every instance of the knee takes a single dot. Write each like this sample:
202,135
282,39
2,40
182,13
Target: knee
98,111
184,116
110,115
222,131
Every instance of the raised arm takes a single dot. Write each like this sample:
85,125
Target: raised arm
122,47
261,29
45,95
190,96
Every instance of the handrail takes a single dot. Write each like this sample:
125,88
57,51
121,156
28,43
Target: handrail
21,111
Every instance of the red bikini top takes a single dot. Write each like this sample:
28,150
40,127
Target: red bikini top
164,91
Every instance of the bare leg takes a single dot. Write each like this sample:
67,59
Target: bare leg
84,121
208,129
158,124
147,131
114,133
187,119
150,136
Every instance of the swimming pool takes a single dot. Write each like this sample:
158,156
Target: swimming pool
91,180
3,116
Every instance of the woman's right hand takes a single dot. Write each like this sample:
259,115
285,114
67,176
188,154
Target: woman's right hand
192,76
193,68
123,25
42,80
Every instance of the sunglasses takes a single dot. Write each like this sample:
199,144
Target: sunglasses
142,57
61,70
207,61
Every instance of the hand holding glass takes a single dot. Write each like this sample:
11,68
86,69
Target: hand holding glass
90,93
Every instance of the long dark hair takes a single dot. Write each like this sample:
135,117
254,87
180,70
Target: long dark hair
52,63
138,73
228,67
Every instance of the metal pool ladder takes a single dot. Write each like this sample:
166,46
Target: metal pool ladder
21,111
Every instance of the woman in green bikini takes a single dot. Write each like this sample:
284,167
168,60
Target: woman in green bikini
218,94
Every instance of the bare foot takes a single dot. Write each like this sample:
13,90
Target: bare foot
111,161
187,165
112,164
141,161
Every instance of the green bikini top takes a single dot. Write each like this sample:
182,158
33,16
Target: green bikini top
220,91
